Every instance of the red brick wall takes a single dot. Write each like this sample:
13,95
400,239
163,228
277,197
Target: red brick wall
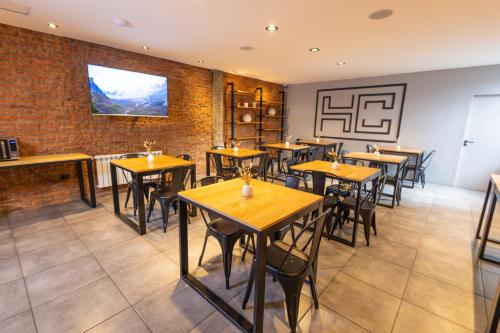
45,103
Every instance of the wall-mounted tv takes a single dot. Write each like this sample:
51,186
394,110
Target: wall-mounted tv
116,92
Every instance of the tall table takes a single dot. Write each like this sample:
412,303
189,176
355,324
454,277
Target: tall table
138,168
406,151
239,156
77,158
282,146
359,175
321,143
397,160
269,209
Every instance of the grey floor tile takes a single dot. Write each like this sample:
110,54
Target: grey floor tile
126,321
14,299
80,310
10,269
393,252
215,323
108,237
7,245
21,323
62,279
324,320
31,241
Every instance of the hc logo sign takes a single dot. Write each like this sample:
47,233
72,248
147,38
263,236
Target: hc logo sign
371,113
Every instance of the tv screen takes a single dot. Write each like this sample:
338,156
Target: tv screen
116,92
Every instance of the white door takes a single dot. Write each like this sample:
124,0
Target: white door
480,154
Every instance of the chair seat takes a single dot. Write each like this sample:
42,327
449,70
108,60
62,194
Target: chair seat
344,189
295,263
350,203
163,194
224,227
329,201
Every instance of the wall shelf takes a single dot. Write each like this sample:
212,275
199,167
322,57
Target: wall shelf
247,138
272,129
246,123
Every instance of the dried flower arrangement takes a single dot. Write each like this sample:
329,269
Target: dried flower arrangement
245,172
149,145
288,138
333,155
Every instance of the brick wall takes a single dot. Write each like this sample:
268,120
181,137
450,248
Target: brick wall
45,103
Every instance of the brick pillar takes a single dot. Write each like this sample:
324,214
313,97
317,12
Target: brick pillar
218,107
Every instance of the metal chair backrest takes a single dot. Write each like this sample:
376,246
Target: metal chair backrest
294,182
338,149
262,166
311,154
317,224
204,182
217,163
177,178
126,174
185,157
426,161
377,189
289,162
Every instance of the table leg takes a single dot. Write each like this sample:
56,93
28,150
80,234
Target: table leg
193,182
207,164
485,204
90,175
183,238
356,217
81,184
114,189
260,282
395,186
486,230
140,203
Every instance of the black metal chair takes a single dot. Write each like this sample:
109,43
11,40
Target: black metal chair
132,184
226,233
291,266
289,162
338,148
167,195
226,172
309,155
366,211
260,170
394,180
422,167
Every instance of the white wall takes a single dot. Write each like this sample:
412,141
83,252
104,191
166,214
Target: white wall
434,117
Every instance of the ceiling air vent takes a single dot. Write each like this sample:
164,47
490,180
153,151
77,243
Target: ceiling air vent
14,7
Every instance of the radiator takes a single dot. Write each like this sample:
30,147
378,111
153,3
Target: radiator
104,173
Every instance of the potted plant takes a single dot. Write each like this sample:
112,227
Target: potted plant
149,147
246,175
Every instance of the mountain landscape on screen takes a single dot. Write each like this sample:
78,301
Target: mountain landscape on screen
120,92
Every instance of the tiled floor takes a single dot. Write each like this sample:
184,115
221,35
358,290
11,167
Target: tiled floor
69,268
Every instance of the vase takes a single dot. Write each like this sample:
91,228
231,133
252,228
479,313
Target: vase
271,112
287,144
235,149
398,147
247,191
317,140
335,165
151,157
377,153
247,117
245,104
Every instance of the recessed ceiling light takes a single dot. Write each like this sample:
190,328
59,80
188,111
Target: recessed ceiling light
341,63
271,27
314,49
200,61
52,25
145,47
121,22
381,14
246,48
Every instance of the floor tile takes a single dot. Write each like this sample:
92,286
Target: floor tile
490,283
30,229
32,241
456,305
414,319
108,237
48,256
126,321
21,323
176,303
14,299
369,307
146,277
10,269
125,254
324,320
393,252
62,279
7,245
215,323
80,310
95,224
378,273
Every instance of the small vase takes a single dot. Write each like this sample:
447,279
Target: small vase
247,191
335,165
271,112
235,149
287,144
317,140
151,157
377,153
398,147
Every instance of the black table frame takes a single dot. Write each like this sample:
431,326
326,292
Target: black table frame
260,277
238,159
323,146
418,161
279,151
140,227
92,202
495,195
399,167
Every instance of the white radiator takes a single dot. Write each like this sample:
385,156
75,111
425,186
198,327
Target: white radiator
103,169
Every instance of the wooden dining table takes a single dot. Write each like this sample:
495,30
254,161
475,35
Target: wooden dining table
282,146
416,153
323,144
239,156
359,175
397,160
270,208
139,168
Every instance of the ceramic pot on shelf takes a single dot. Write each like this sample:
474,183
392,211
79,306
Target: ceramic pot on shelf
271,112
246,118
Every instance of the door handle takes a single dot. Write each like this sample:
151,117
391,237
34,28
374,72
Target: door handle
466,142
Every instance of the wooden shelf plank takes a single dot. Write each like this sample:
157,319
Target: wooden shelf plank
272,129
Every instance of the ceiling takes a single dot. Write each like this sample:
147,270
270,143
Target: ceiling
419,36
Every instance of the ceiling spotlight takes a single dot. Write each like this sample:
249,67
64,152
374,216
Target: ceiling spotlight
145,47
200,61
314,49
246,48
271,27
52,25
341,63
381,14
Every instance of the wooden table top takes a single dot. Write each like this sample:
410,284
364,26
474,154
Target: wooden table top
281,146
403,150
384,158
242,153
321,142
141,164
44,159
269,205
348,172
